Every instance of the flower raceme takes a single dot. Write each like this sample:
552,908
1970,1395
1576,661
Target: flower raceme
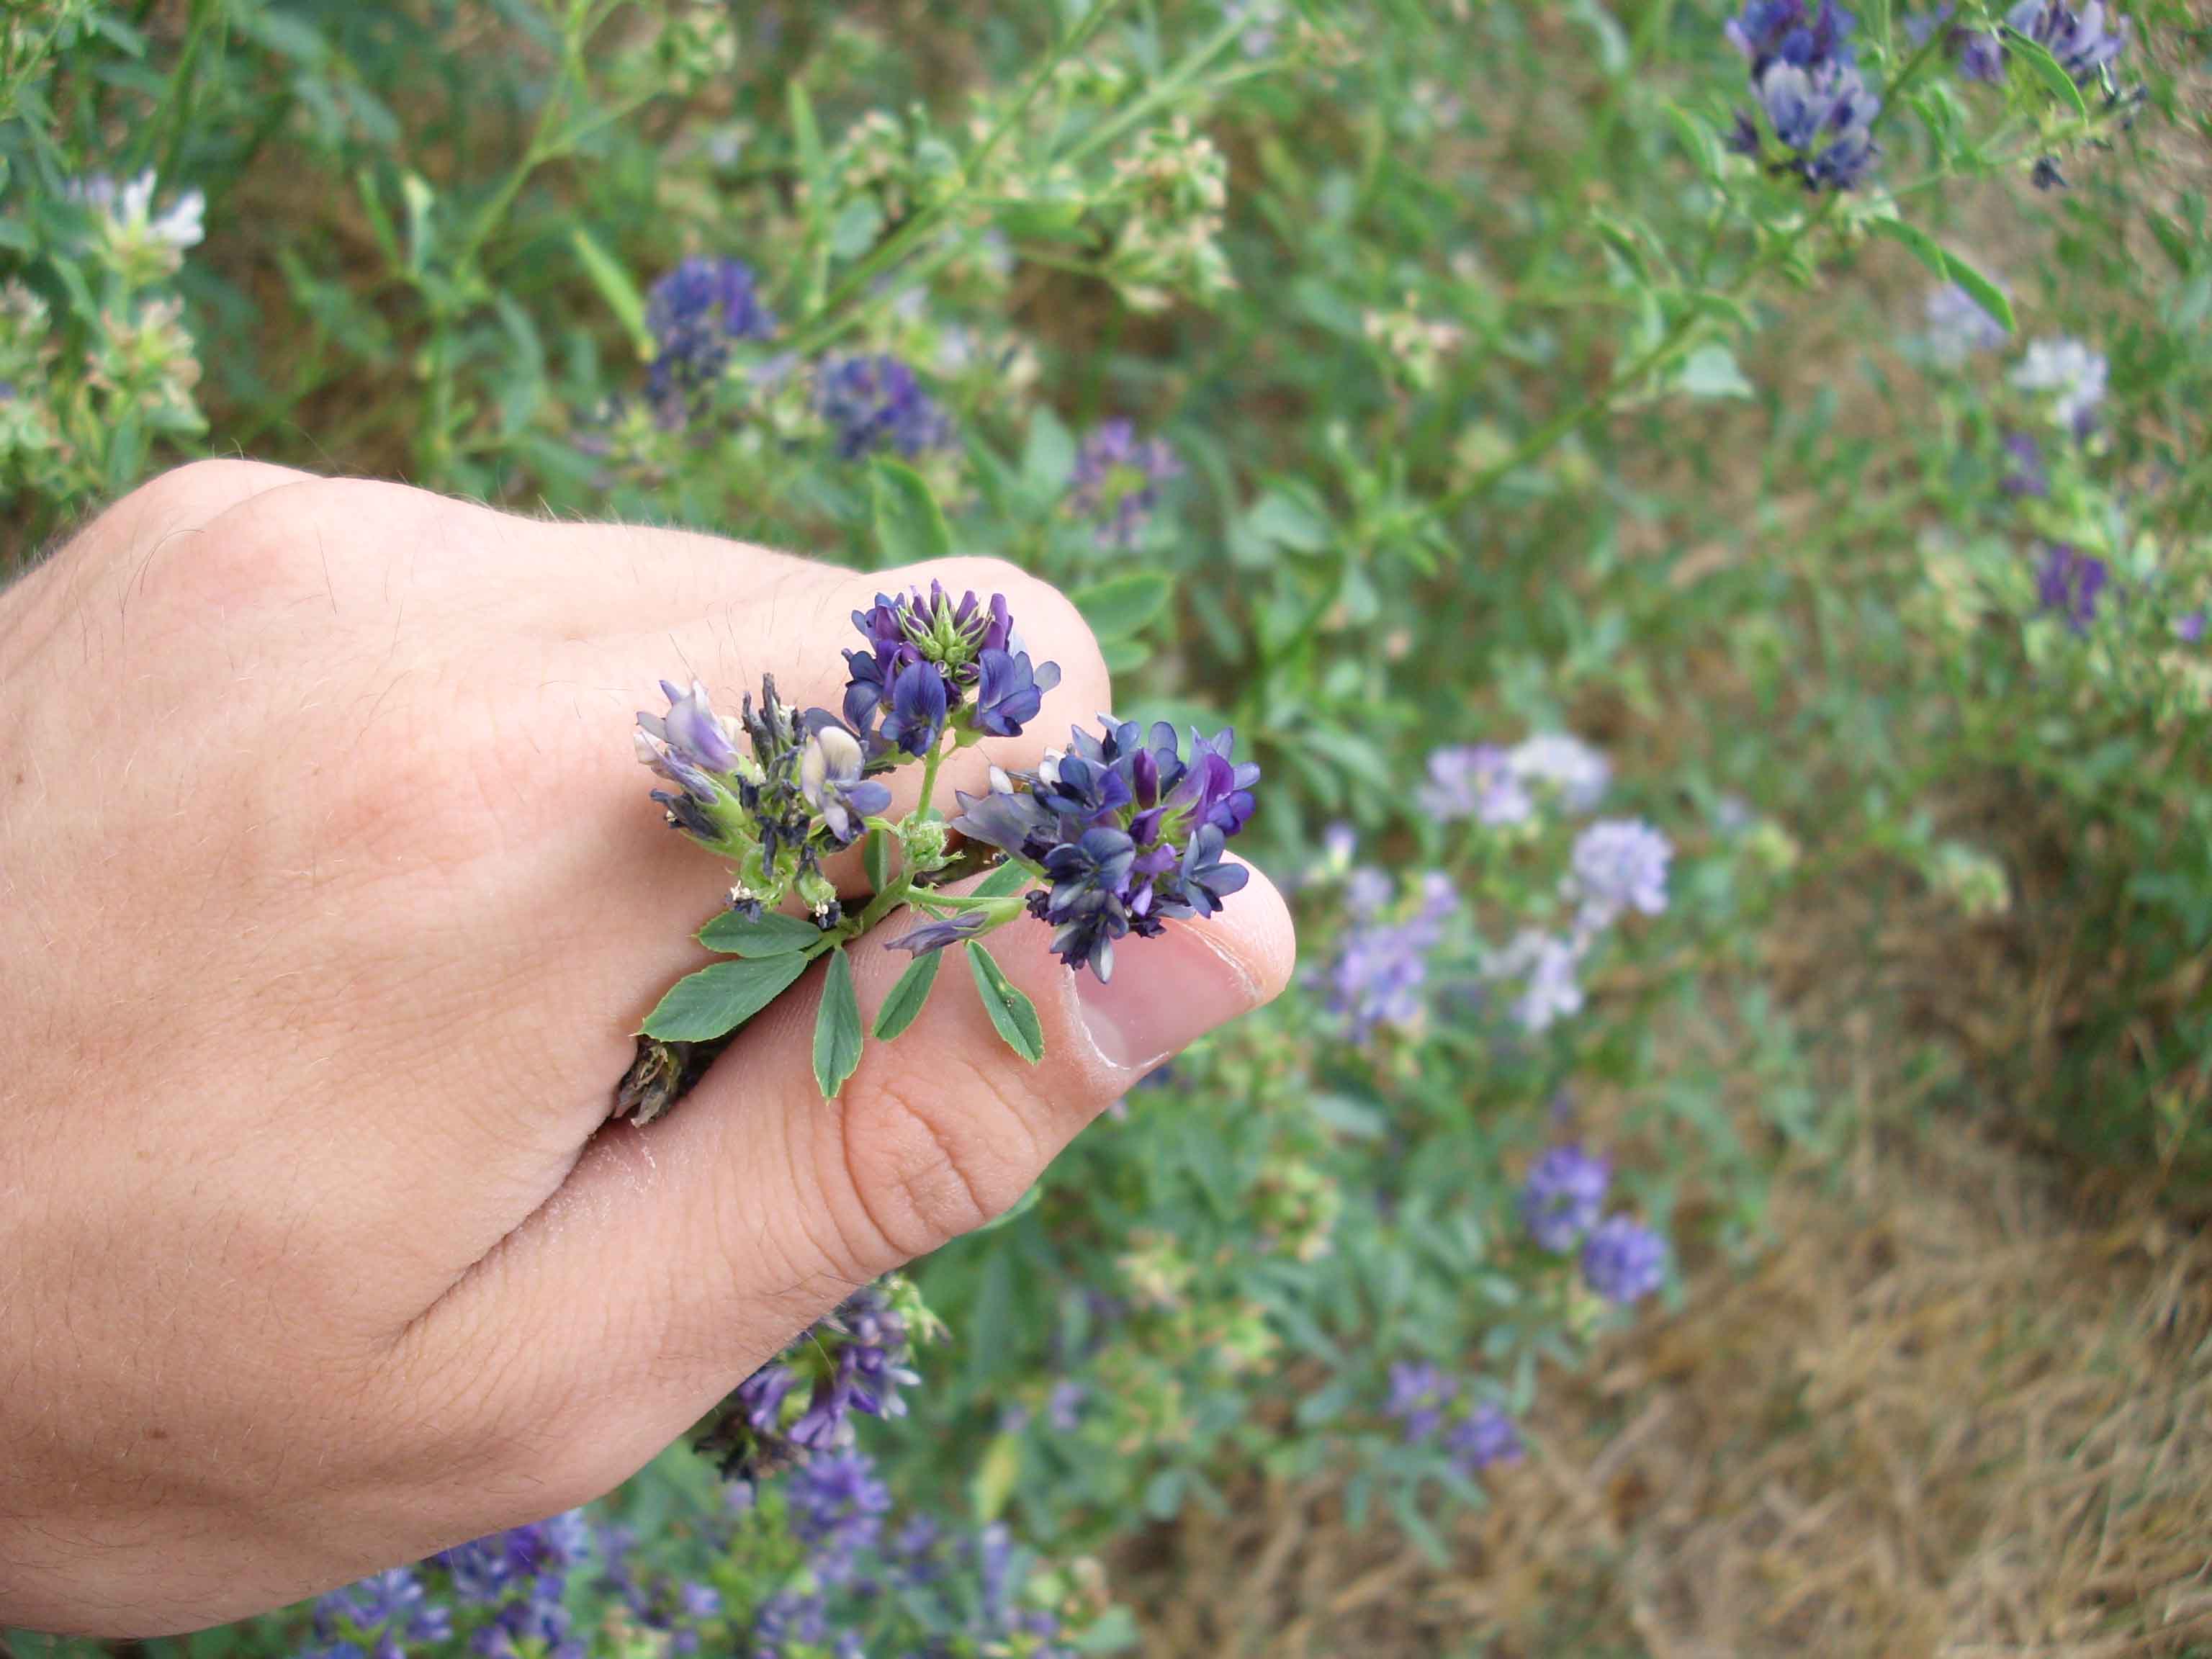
1119,835
931,663
1127,834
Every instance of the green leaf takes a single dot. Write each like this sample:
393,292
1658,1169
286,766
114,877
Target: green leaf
1984,292
1711,371
719,998
836,1028
1122,605
615,287
773,935
909,527
876,858
1013,1014
1047,455
997,1472
2047,69
1287,523
1950,267
903,1005
1004,882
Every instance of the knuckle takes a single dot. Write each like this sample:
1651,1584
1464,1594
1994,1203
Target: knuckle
939,1155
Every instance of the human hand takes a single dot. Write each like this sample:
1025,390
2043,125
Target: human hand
332,903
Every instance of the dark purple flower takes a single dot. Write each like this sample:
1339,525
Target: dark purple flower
1562,1196
1116,823
1623,1262
2190,630
1792,31
985,681
874,404
938,935
1981,55
693,313
1824,116
914,719
1117,478
1009,692
2076,35
1484,1438
2069,582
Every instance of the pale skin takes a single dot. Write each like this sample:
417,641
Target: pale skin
330,898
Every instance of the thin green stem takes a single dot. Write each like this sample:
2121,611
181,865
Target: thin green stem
895,247
1541,441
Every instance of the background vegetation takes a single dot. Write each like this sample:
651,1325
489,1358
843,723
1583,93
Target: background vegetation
1387,379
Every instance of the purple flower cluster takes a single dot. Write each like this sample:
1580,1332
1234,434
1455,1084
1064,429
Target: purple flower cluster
1815,103
801,1404
859,1573
2069,582
875,404
381,1617
2079,37
1380,967
694,313
1562,1197
1127,833
1622,1261
511,1589
801,793
1117,479
931,663
1420,1398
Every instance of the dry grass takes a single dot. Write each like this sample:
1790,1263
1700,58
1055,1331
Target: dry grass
1949,1416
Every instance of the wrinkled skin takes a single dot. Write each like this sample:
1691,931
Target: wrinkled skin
329,899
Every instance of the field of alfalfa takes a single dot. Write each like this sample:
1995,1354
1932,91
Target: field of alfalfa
1700,511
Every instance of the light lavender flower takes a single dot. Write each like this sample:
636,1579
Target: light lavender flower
1475,780
1563,764
1545,966
1619,865
2069,369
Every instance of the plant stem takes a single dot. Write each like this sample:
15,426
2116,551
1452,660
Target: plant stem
1541,441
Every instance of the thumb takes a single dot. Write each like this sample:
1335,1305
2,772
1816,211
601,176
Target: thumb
707,1241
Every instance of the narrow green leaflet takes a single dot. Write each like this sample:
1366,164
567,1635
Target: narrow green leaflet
1013,1014
909,527
903,1005
836,1028
773,935
1950,266
615,287
721,998
1008,879
2047,69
